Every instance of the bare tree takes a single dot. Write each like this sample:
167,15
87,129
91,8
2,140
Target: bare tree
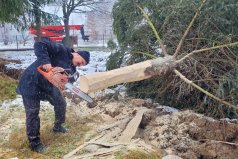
5,34
77,6
25,37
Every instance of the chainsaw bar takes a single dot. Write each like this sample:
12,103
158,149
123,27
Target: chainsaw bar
80,93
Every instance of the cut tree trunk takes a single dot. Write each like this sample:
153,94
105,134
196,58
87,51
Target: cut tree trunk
140,71
137,72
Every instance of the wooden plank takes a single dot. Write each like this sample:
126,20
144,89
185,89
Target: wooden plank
70,154
119,122
132,127
105,152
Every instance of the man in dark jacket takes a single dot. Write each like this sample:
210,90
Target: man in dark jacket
34,87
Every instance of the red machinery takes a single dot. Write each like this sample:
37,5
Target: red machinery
56,33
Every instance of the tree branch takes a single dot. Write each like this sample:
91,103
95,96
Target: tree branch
206,49
154,30
187,30
202,90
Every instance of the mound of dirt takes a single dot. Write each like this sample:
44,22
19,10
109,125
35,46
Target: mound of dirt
190,135
161,128
13,73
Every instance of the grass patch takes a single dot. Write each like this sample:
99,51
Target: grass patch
136,154
59,144
8,88
3,118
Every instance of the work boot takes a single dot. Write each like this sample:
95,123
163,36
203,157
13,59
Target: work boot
40,148
60,129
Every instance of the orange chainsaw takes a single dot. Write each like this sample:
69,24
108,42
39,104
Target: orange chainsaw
59,78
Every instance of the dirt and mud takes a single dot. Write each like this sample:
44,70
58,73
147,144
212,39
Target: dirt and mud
191,135
13,73
163,129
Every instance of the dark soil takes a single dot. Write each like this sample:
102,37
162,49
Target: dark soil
13,73
190,135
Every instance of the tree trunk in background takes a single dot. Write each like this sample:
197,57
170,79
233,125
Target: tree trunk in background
37,13
5,35
67,41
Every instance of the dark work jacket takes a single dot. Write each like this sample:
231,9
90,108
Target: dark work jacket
32,83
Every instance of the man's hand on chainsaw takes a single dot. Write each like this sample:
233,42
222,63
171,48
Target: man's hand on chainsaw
57,70
47,67
55,75
58,77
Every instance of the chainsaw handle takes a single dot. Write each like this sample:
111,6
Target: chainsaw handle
40,70
53,70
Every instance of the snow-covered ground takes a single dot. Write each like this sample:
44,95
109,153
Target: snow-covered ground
26,58
30,44
14,45
97,64
97,61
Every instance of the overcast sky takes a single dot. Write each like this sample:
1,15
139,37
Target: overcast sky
77,19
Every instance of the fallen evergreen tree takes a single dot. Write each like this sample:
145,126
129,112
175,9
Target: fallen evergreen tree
214,23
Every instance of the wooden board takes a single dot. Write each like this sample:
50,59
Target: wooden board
132,127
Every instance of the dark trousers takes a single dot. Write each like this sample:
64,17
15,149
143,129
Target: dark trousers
32,107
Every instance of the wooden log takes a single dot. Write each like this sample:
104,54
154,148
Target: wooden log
137,72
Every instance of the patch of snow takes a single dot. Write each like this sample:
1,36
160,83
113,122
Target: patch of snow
97,61
166,109
14,45
125,59
10,103
120,88
26,58
7,105
97,64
